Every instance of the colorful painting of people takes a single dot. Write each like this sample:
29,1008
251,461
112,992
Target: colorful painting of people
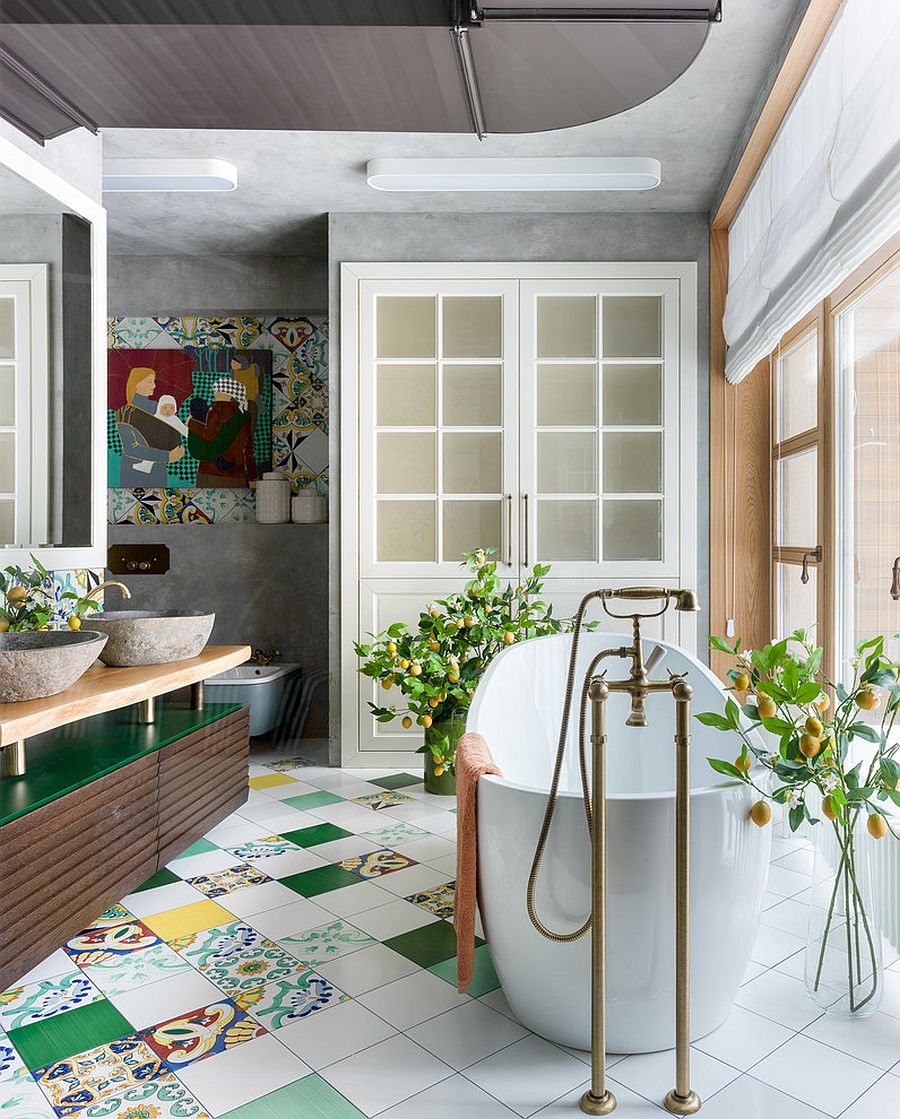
191,417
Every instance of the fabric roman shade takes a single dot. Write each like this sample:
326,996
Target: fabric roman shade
828,192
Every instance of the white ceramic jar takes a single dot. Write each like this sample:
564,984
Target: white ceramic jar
273,499
309,507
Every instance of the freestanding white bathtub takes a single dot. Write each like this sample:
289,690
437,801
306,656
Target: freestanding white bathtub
517,708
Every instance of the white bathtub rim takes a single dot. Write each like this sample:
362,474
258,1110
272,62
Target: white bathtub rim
701,790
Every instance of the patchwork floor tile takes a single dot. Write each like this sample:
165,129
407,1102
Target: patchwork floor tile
312,1097
228,1080
106,941
427,945
395,835
311,883
236,957
165,998
285,765
99,1073
312,800
396,781
187,919
376,863
265,848
378,801
270,780
327,942
85,1027
36,1002
318,833
162,877
21,1098
201,847
198,1033
484,977
290,1000
224,881
438,900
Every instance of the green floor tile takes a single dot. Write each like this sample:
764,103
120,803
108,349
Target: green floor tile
311,1098
319,833
484,978
309,883
397,781
312,800
74,1031
198,848
428,945
162,878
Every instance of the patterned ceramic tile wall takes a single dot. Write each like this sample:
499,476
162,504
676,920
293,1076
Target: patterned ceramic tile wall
299,408
80,580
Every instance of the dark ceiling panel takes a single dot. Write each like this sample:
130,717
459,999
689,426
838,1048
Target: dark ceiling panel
334,13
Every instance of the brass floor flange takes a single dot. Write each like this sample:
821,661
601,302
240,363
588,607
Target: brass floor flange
12,759
682,1105
592,1105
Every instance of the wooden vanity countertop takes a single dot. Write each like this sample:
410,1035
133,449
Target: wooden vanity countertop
104,689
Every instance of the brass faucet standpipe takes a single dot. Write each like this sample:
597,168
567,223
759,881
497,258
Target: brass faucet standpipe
598,1100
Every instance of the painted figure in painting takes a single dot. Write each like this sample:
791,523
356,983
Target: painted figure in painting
221,436
149,442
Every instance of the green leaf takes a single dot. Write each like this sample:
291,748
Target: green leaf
725,768
733,714
711,719
775,725
773,690
863,730
807,692
797,815
722,646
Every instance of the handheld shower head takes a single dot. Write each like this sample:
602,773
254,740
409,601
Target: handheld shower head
686,599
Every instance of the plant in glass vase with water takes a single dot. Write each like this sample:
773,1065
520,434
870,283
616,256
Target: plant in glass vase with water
436,665
816,767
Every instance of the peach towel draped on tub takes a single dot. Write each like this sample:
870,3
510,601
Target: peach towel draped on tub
473,759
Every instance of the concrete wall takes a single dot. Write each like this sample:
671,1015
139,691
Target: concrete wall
75,156
534,237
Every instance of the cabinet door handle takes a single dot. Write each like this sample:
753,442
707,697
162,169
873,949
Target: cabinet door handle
509,542
526,529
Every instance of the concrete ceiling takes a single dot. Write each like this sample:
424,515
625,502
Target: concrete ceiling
288,181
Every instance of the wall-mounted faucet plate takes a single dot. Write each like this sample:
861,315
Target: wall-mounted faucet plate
138,559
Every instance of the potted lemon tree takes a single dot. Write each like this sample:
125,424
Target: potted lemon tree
437,664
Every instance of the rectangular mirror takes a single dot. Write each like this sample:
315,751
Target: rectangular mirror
52,376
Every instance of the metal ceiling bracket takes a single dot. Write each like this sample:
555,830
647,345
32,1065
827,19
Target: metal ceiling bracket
49,92
459,35
574,14
17,122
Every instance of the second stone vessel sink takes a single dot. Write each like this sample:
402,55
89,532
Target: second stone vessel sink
139,637
34,665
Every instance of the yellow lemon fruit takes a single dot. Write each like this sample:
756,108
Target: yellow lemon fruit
471,696
454,666
434,646
508,638
460,624
453,677
415,670
392,649
868,701
434,701
742,763
404,664
74,622
16,594
828,808
809,745
760,813
823,703
488,608
438,770
435,613
426,721
814,727
41,628
766,707
876,827
4,625
468,621
741,682
406,722
387,683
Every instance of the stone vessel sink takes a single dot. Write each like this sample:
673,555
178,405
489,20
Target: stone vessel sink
34,665
151,636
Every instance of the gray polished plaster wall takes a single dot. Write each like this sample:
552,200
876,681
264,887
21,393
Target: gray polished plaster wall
512,237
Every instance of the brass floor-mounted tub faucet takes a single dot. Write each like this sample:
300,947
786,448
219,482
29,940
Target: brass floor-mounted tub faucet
596,689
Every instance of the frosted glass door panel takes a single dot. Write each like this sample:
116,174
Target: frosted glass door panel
7,521
632,395
469,525
795,602
7,395
632,326
566,395
7,462
406,462
567,530
406,396
797,488
797,388
7,328
632,462
473,395
472,462
567,462
406,530
566,326
405,326
472,326
632,530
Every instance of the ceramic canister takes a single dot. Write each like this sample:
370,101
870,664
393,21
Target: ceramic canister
273,499
308,507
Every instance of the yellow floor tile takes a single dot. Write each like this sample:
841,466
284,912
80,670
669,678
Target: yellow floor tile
271,779
187,919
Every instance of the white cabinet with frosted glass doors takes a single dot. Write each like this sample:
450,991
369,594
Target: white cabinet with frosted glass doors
545,411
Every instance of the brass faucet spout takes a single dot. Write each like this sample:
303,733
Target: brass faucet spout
126,593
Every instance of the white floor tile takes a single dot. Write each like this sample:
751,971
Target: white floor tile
891,1001
339,849
446,865
250,900
794,965
350,900
879,1102
237,831
497,1001
385,1074
392,919
57,963
362,971
156,1002
207,863
748,1098
288,920
772,945
289,862
801,860
160,898
282,792
651,1075
770,900
779,997
265,812
875,1039
440,823
428,849
744,1039
241,1074
414,879
350,1029
753,969
788,915
453,1098
348,816
412,811
466,1034
407,1002
816,1074
787,883
528,1075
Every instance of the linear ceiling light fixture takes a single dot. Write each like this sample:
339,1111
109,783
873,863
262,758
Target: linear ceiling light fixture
168,175
577,173
459,36
597,14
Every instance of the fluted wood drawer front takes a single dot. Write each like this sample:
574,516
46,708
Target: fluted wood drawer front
63,864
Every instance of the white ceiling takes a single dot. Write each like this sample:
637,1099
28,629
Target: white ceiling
288,181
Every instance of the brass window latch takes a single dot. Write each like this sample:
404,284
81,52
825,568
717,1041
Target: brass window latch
895,580
816,554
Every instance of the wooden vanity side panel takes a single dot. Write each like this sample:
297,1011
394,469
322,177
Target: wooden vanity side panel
202,780
64,864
